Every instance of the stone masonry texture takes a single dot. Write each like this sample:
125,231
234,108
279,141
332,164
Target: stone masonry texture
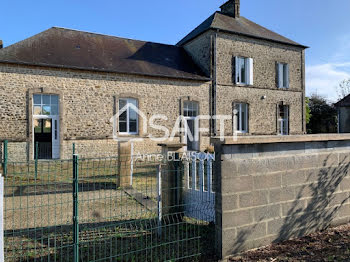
88,100
87,103
274,192
262,112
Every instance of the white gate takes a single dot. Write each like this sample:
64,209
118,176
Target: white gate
199,195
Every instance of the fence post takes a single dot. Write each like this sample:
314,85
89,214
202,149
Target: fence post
124,163
159,199
131,163
73,148
2,250
172,191
36,160
75,209
4,167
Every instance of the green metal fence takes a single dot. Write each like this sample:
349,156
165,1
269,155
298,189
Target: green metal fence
77,210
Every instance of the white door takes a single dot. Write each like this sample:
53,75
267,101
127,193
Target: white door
55,137
191,137
46,125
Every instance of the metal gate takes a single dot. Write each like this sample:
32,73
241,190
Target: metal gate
199,190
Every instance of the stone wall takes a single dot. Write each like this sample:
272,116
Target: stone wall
88,100
200,50
262,111
276,188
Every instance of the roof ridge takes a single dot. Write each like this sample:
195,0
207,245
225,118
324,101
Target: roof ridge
184,39
106,35
239,26
25,39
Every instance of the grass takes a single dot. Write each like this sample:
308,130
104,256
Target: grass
113,225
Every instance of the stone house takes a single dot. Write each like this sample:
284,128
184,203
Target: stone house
343,107
63,86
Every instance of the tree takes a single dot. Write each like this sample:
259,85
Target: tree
308,111
343,89
323,116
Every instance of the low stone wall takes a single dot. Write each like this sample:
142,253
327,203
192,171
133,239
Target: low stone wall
276,188
88,148
17,151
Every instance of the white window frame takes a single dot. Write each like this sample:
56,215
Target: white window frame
249,70
192,106
55,122
42,105
128,117
283,75
241,119
283,123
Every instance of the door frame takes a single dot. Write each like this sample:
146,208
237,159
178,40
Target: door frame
30,128
196,127
53,127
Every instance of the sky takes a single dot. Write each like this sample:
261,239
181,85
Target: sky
322,25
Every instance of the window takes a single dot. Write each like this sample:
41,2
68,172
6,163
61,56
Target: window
45,105
128,117
282,75
240,117
244,71
283,119
190,109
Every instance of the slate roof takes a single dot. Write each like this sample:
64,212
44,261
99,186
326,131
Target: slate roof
66,48
241,26
345,102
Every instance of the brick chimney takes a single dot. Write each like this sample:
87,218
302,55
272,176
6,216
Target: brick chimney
231,8
1,44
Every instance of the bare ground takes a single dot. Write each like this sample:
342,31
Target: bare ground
330,245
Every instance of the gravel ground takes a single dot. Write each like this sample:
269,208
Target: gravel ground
330,245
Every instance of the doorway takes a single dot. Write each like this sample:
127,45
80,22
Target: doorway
43,138
191,136
46,126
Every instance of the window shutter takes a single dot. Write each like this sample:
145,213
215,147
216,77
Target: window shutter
277,116
236,70
234,118
247,105
287,68
288,120
250,71
277,74
280,75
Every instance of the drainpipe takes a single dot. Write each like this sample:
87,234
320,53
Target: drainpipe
214,82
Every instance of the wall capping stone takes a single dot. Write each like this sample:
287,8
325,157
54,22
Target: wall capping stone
281,139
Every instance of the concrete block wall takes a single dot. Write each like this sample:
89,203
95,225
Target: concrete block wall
276,191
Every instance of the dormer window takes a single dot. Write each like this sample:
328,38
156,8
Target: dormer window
244,70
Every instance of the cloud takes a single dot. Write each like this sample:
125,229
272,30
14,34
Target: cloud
323,79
